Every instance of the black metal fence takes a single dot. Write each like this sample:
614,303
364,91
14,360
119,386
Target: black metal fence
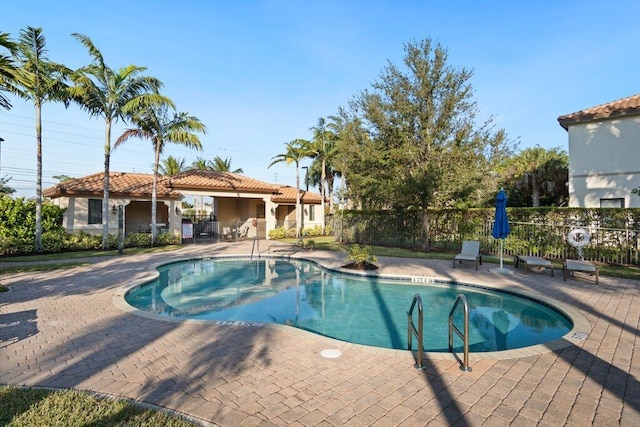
446,232
204,228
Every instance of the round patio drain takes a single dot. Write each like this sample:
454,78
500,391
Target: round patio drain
330,353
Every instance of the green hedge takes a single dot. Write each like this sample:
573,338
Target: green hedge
18,228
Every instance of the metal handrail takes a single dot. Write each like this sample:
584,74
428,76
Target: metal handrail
464,335
253,246
419,331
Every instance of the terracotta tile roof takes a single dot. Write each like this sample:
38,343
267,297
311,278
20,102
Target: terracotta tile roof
622,107
121,184
287,194
139,185
214,180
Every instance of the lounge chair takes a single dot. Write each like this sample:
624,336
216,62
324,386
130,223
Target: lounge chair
570,266
227,233
470,252
533,261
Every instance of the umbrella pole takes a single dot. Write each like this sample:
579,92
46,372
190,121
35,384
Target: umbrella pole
501,248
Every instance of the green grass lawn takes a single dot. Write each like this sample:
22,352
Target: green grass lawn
31,407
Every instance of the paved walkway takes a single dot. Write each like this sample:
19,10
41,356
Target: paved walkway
62,329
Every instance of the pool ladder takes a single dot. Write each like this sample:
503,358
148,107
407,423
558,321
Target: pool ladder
418,331
462,334
256,243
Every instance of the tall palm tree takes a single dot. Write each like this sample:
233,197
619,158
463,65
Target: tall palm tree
317,148
157,125
297,150
113,95
172,166
7,68
323,150
38,80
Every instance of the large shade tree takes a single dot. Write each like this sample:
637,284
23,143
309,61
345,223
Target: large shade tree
38,80
160,125
423,146
112,94
296,151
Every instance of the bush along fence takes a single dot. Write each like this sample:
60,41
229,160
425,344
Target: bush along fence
534,231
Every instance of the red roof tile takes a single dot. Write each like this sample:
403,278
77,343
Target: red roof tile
214,180
125,184
287,194
622,107
121,184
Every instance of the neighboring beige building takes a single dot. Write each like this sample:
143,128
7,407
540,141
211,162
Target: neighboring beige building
242,207
604,148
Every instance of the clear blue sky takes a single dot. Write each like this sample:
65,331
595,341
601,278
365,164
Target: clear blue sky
260,73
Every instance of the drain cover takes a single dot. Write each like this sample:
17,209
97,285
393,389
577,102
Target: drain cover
330,353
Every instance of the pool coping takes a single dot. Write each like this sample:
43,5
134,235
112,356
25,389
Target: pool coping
576,336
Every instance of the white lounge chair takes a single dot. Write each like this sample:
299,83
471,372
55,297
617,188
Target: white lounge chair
533,261
470,252
572,265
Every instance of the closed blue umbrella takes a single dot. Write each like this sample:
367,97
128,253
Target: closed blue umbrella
501,223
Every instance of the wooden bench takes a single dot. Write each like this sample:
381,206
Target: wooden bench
533,261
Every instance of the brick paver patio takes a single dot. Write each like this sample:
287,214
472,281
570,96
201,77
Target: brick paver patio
64,329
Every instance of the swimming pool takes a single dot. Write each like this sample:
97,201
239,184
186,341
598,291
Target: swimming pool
346,307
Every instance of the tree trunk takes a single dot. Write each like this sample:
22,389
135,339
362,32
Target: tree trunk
154,195
330,181
426,244
535,192
298,212
105,193
38,236
323,178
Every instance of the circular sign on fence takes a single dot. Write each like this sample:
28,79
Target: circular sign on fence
578,237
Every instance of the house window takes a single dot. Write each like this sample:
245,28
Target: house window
612,203
95,211
312,213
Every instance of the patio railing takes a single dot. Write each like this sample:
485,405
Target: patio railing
609,245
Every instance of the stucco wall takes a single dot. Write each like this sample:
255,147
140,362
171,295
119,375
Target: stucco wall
603,162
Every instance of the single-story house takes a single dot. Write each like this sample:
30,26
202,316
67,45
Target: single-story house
242,206
604,146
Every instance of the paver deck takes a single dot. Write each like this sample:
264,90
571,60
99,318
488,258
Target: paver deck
62,329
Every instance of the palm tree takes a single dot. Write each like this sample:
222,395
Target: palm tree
171,166
38,80
540,171
112,95
7,68
217,164
154,123
297,150
200,164
323,150
223,165
318,151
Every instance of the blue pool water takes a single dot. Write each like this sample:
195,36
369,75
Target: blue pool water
359,310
